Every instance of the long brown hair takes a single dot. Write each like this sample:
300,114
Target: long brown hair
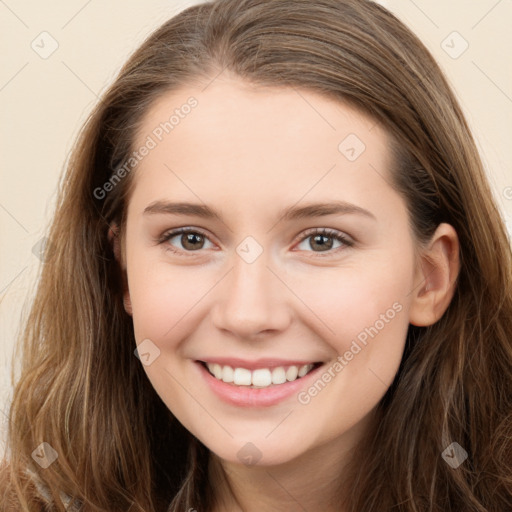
83,392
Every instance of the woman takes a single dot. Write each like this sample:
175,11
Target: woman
190,348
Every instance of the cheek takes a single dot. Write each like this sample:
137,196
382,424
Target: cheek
348,302
166,299
363,314
166,303
362,373
157,303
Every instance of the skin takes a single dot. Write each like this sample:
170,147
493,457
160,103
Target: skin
250,152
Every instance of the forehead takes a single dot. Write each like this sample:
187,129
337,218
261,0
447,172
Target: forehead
235,139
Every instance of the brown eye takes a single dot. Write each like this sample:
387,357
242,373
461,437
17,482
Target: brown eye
324,243
185,240
323,240
192,241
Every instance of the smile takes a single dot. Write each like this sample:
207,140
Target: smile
260,377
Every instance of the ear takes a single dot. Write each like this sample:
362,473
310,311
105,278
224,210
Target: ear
436,273
113,238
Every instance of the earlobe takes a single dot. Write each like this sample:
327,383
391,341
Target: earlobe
127,302
113,237
435,277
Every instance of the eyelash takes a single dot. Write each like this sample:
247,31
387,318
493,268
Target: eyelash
330,233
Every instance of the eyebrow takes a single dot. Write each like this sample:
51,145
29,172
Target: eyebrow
288,214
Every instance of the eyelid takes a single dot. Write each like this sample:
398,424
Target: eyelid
341,237
328,232
167,235
324,231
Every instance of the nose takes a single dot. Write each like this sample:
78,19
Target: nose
251,300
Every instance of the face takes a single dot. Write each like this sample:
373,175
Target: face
297,257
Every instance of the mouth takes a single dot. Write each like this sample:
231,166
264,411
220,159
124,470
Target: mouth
261,377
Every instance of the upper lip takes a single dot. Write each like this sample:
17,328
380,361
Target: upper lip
235,362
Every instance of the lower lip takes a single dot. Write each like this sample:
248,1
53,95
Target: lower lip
244,396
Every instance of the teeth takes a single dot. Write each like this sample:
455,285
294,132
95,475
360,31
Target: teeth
278,375
303,370
291,373
228,374
242,377
217,371
260,378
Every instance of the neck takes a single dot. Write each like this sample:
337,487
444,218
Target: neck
314,481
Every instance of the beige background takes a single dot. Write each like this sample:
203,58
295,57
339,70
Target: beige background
44,101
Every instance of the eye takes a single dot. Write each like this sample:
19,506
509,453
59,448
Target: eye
190,240
323,240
